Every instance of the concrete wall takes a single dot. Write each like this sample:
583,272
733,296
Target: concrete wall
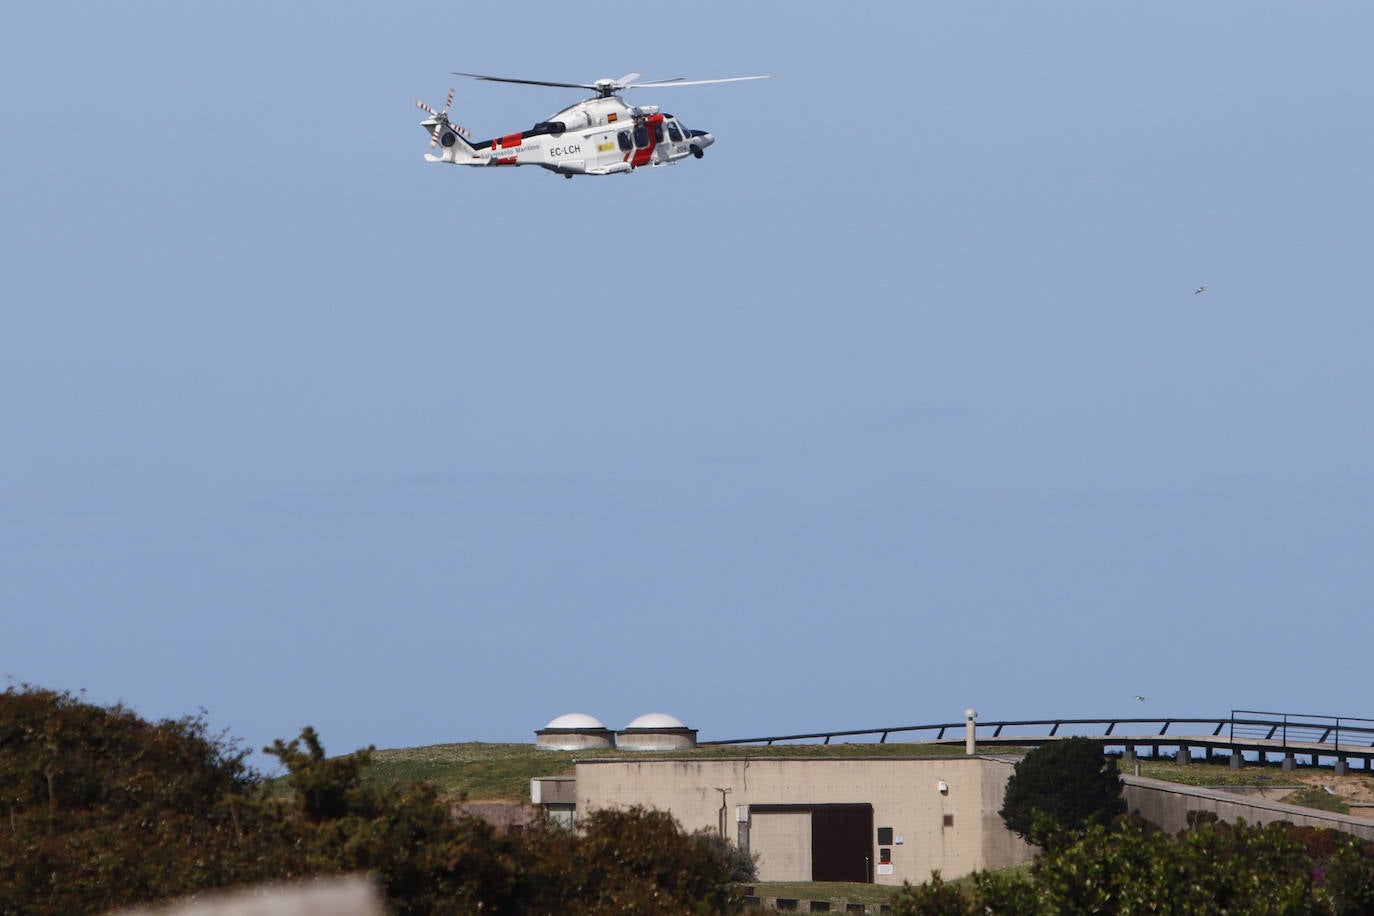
1167,804
656,739
904,792
574,739
783,841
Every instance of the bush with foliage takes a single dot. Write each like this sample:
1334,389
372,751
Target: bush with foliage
102,809
742,865
1069,783
1211,868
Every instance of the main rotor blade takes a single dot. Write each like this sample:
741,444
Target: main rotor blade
628,78
659,84
674,79
507,79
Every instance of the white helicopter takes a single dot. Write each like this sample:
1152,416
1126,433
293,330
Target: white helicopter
602,135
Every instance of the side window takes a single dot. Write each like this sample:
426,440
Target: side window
624,138
641,136
673,133
658,132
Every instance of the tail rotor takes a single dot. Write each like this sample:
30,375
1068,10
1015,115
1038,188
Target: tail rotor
438,122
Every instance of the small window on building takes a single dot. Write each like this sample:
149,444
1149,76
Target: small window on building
884,836
884,856
624,138
949,820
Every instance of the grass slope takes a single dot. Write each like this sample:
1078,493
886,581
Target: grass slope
503,771
489,772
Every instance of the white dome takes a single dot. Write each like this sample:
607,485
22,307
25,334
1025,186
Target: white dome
576,720
656,720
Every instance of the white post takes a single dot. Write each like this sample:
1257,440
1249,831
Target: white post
970,717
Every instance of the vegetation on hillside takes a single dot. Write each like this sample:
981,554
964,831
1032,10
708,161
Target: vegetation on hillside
1209,868
102,809
503,771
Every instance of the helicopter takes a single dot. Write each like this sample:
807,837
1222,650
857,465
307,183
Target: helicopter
601,135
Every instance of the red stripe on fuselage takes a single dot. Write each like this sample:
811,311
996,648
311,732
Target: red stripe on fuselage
653,124
511,140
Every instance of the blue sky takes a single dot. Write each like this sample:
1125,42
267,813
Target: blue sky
899,401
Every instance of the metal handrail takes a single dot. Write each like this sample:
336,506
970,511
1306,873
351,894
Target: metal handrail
1300,724
1276,723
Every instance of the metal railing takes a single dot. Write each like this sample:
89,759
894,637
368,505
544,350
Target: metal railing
1242,726
1301,728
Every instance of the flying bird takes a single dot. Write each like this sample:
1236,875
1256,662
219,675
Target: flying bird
1200,289
1140,698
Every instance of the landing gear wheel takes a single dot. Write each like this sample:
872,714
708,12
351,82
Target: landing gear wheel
697,151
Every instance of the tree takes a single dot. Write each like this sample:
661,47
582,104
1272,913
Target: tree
102,809
1069,783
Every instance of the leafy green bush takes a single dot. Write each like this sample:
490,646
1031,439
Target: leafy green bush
105,810
1211,868
1069,783
101,807
742,865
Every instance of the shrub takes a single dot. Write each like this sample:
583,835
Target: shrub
1070,783
103,810
743,866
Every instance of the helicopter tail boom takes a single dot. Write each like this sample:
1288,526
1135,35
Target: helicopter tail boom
454,147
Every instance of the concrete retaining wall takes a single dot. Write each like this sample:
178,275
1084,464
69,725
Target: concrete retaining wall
1168,803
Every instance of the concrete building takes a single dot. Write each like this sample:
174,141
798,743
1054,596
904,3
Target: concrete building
872,819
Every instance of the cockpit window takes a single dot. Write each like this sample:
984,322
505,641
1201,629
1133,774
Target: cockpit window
673,133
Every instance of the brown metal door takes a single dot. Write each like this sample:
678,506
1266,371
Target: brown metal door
842,843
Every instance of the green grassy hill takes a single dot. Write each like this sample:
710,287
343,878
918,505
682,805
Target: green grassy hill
489,772
503,771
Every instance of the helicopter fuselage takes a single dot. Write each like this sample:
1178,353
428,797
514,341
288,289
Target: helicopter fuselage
598,136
